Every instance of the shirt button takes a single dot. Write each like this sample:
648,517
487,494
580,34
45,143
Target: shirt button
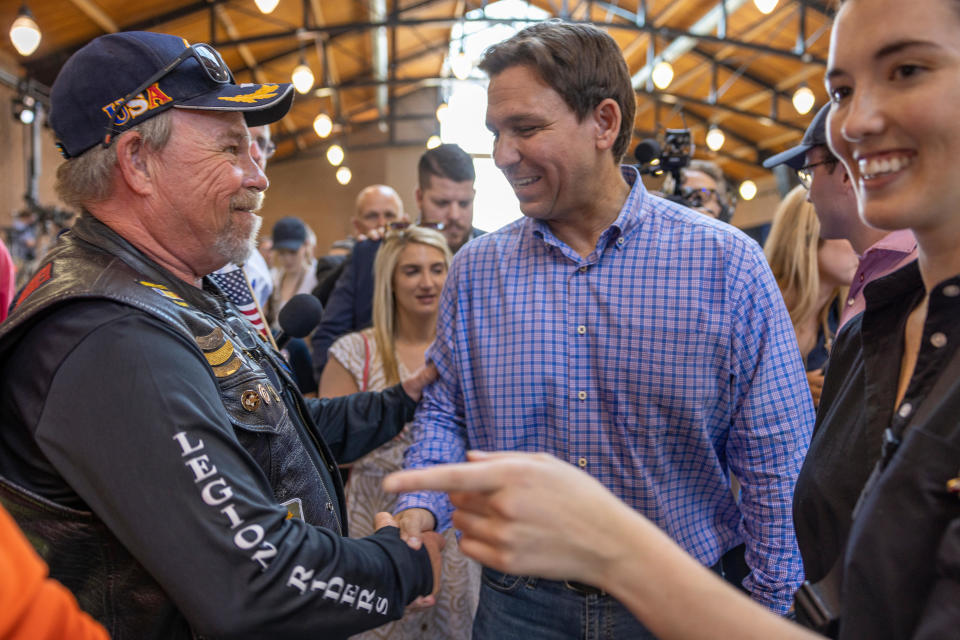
581,329
850,302
582,395
582,463
584,268
938,339
621,240
905,409
951,291
861,277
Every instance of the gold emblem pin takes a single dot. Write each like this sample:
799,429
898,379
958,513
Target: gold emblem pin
250,400
262,390
953,486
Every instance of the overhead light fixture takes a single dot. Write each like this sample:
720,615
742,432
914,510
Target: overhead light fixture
662,75
24,32
461,65
748,190
715,138
24,109
765,6
302,77
433,142
335,155
343,175
323,125
442,111
803,100
266,6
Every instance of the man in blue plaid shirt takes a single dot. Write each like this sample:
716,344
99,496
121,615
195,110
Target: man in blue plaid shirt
643,342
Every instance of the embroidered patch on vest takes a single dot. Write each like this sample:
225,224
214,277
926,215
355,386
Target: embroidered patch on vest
39,278
165,292
220,353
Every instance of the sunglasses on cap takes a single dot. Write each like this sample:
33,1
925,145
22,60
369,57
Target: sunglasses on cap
210,61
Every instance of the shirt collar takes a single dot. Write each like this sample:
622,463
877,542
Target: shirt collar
627,219
901,241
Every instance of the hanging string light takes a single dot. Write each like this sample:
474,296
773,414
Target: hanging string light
433,142
765,6
323,125
266,6
344,175
24,32
335,155
803,100
715,138
302,77
662,75
748,190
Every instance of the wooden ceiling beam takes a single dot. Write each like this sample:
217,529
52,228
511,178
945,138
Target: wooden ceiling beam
98,15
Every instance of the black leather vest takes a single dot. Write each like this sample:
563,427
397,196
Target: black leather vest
258,395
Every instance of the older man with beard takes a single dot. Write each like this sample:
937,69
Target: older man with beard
155,449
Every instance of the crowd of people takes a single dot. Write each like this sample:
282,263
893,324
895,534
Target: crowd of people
641,422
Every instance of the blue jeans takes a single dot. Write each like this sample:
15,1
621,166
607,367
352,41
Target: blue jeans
536,609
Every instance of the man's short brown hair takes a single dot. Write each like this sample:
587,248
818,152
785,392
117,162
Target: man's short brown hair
580,62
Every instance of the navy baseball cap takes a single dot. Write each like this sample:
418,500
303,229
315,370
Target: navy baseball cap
91,101
814,136
289,233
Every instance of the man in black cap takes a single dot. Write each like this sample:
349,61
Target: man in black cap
830,192
155,448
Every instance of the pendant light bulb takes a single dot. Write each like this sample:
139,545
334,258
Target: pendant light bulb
335,155
266,6
715,138
662,75
323,125
24,32
302,77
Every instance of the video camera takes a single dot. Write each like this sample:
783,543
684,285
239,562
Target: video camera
675,154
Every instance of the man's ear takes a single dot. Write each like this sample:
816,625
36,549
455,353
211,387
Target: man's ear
607,117
133,162
845,178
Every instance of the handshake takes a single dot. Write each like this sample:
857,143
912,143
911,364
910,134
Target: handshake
417,529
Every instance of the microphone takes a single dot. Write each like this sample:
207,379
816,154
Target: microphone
298,317
646,151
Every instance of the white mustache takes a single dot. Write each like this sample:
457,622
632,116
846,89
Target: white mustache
248,200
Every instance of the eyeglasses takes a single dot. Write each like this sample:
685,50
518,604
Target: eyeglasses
695,197
267,147
401,225
805,173
210,61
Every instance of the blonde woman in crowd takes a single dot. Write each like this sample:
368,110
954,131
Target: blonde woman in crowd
813,275
409,272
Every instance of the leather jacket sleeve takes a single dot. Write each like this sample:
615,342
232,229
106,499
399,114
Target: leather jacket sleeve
133,421
355,425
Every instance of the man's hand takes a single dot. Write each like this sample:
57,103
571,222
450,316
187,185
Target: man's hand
523,513
413,524
414,385
434,543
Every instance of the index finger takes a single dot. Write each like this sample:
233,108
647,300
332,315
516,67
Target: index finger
470,476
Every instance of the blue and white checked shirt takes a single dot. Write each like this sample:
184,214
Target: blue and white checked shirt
656,364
